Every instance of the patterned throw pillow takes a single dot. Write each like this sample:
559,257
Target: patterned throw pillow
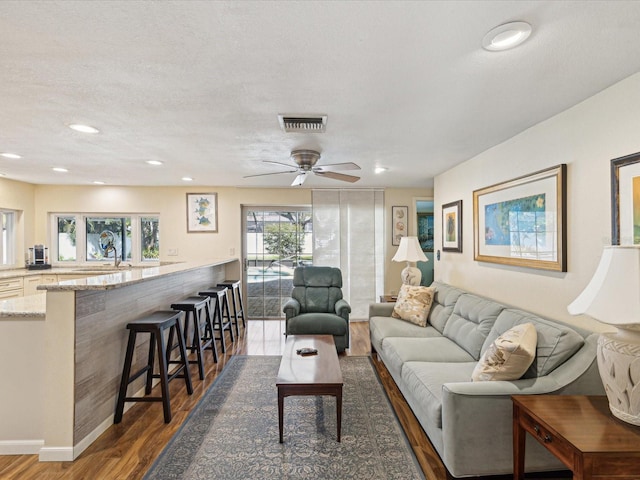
509,356
413,304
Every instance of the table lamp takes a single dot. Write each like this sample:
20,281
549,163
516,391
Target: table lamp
613,297
409,251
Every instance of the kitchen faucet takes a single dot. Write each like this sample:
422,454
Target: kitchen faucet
116,260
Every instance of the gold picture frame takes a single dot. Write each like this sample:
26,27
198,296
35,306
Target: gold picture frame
625,200
522,222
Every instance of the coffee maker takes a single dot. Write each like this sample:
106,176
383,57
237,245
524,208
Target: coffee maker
38,258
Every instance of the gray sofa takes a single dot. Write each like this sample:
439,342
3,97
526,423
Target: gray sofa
470,423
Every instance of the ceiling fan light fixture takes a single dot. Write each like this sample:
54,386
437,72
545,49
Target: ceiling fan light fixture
78,127
380,169
504,37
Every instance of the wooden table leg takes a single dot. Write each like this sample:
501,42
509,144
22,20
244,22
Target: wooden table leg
339,411
518,445
280,412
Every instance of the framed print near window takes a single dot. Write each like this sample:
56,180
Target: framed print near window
399,224
452,227
202,212
522,222
425,231
625,200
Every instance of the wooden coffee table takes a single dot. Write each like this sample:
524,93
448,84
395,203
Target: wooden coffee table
309,375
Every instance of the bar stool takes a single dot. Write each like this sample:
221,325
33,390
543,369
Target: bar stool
154,324
236,300
196,318
220,316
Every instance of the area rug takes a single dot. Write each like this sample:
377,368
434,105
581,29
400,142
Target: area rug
232,434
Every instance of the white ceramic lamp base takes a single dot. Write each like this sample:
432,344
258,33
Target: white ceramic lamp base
619,365
411,275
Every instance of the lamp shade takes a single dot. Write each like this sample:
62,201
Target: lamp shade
613,294
409,251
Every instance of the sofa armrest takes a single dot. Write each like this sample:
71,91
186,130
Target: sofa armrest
291,308
343,309
475,412
381,309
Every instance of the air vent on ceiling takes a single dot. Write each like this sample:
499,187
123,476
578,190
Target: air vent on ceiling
303,123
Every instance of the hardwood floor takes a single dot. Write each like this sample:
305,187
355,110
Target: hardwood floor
127,450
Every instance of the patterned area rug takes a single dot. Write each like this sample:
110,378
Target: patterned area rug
232,434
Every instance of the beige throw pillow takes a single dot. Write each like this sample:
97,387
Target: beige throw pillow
509,356
413,304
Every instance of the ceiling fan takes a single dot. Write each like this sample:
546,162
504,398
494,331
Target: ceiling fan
306,163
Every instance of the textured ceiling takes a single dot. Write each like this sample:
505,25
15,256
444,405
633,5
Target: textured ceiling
199,85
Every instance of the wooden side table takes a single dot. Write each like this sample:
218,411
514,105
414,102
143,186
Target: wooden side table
388,298
580,431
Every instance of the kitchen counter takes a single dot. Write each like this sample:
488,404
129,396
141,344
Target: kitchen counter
29,306
60,393
98,278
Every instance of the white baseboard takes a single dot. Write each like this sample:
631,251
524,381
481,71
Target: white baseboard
20,447
56,454
82,445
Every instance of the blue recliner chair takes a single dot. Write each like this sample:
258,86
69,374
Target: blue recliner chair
317,306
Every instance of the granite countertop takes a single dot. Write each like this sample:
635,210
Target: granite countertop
35,305
29,306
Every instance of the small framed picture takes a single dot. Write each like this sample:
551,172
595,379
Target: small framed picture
399,224
452,227
202,212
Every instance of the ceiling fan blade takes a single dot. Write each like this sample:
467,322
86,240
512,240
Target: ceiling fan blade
336,166
339,176
272,173
299,180
288,165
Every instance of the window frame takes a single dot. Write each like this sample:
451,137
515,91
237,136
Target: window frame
8,219
81,238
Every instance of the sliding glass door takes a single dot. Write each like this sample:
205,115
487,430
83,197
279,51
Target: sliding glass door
276,240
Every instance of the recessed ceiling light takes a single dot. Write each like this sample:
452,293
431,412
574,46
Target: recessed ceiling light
3,174
154,162
187,179
506,36
78,127
380,169
98,182
60,169
14,156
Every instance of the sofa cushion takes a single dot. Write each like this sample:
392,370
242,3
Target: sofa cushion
509,356
397,351
556,342
385,327
424,381
443,302
471,322
413,304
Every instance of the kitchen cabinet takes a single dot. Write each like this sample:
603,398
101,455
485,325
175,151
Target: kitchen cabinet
11,287
31,283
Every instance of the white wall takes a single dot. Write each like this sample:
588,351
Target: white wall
586,138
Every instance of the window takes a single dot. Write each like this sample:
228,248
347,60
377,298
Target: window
150,239
85,238
117,231
8,240
66,241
